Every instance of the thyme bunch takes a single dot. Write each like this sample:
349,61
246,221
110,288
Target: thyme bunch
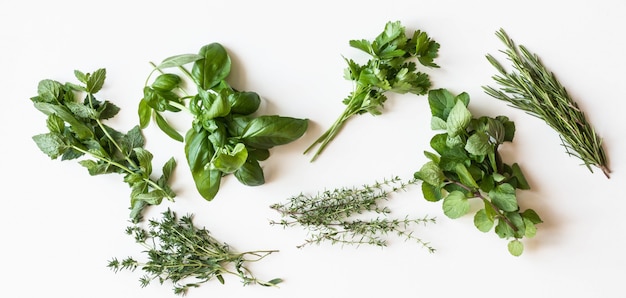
536,90
338,215
186,255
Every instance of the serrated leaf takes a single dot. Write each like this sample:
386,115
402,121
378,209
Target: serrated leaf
430,173
51,144
531,215
145,160
431,193
455,204
478,144
437,123
530,228
55,124
503,196
95,80
458,119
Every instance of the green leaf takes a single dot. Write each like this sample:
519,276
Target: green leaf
95,80
244,103
437,123
455,204
49,91
168,169
503,230
265,132
465,175
431,193
250,173
478,144
458,119
166,128
441,102
145,112
199,152
55,124
166,82
215,105
82,131
516,247
522,183
82,111
503,196
430,173
482,221
212,68
145,160
229,161
531,215
179,60
530,228
51,144
152,198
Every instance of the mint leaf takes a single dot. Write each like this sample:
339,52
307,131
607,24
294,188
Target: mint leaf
516,247
503,196
455,204
458,119
482,221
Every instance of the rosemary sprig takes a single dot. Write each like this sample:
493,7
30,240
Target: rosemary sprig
187,256
332,215
535,89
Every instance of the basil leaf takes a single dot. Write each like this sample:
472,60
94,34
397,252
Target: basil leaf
228,161
166,128
265,132
244,103
212,68
199,153
179,60
250,173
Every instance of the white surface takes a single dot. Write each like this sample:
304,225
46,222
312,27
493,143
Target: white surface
60,226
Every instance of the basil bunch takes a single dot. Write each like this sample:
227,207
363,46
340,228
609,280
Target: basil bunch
468,165
225,137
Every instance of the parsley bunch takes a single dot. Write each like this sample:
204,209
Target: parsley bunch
390,69
467,165
77,129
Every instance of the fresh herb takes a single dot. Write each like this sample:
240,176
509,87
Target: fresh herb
77,129
225,137
186,255
340,215
391,69
535,89
467,165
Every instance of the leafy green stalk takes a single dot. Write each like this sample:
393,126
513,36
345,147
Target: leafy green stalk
534,89
390,69
188,256
467,165
77,129
225,137
340,215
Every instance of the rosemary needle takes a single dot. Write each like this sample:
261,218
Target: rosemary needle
534,89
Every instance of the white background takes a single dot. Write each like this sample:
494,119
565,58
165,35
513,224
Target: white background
60,226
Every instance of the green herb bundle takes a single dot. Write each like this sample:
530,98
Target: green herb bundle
225,136
391,69
77,129
534,89
186,255
343,215
467,165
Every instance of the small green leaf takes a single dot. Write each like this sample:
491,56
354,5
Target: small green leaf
503,230
250,173
229,161
516,247
465,175
531,215
265,132
145,160
458,119
503,196
441,102
145,112
530,228
482,221
51,144
166,128
166,82
55,124
478,144
431,193
212,68
244,103
522,183
48,91
437,123
455,204
95,80
179,60
430,173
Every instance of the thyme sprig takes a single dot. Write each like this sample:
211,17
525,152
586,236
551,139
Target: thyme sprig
336,215
536,90
187,256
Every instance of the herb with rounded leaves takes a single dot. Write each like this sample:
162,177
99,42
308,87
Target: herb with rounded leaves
188,256
344,215
225,136
467,165
77,129
535,89
391,69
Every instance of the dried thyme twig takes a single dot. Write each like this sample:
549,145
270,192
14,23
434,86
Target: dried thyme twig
535,89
